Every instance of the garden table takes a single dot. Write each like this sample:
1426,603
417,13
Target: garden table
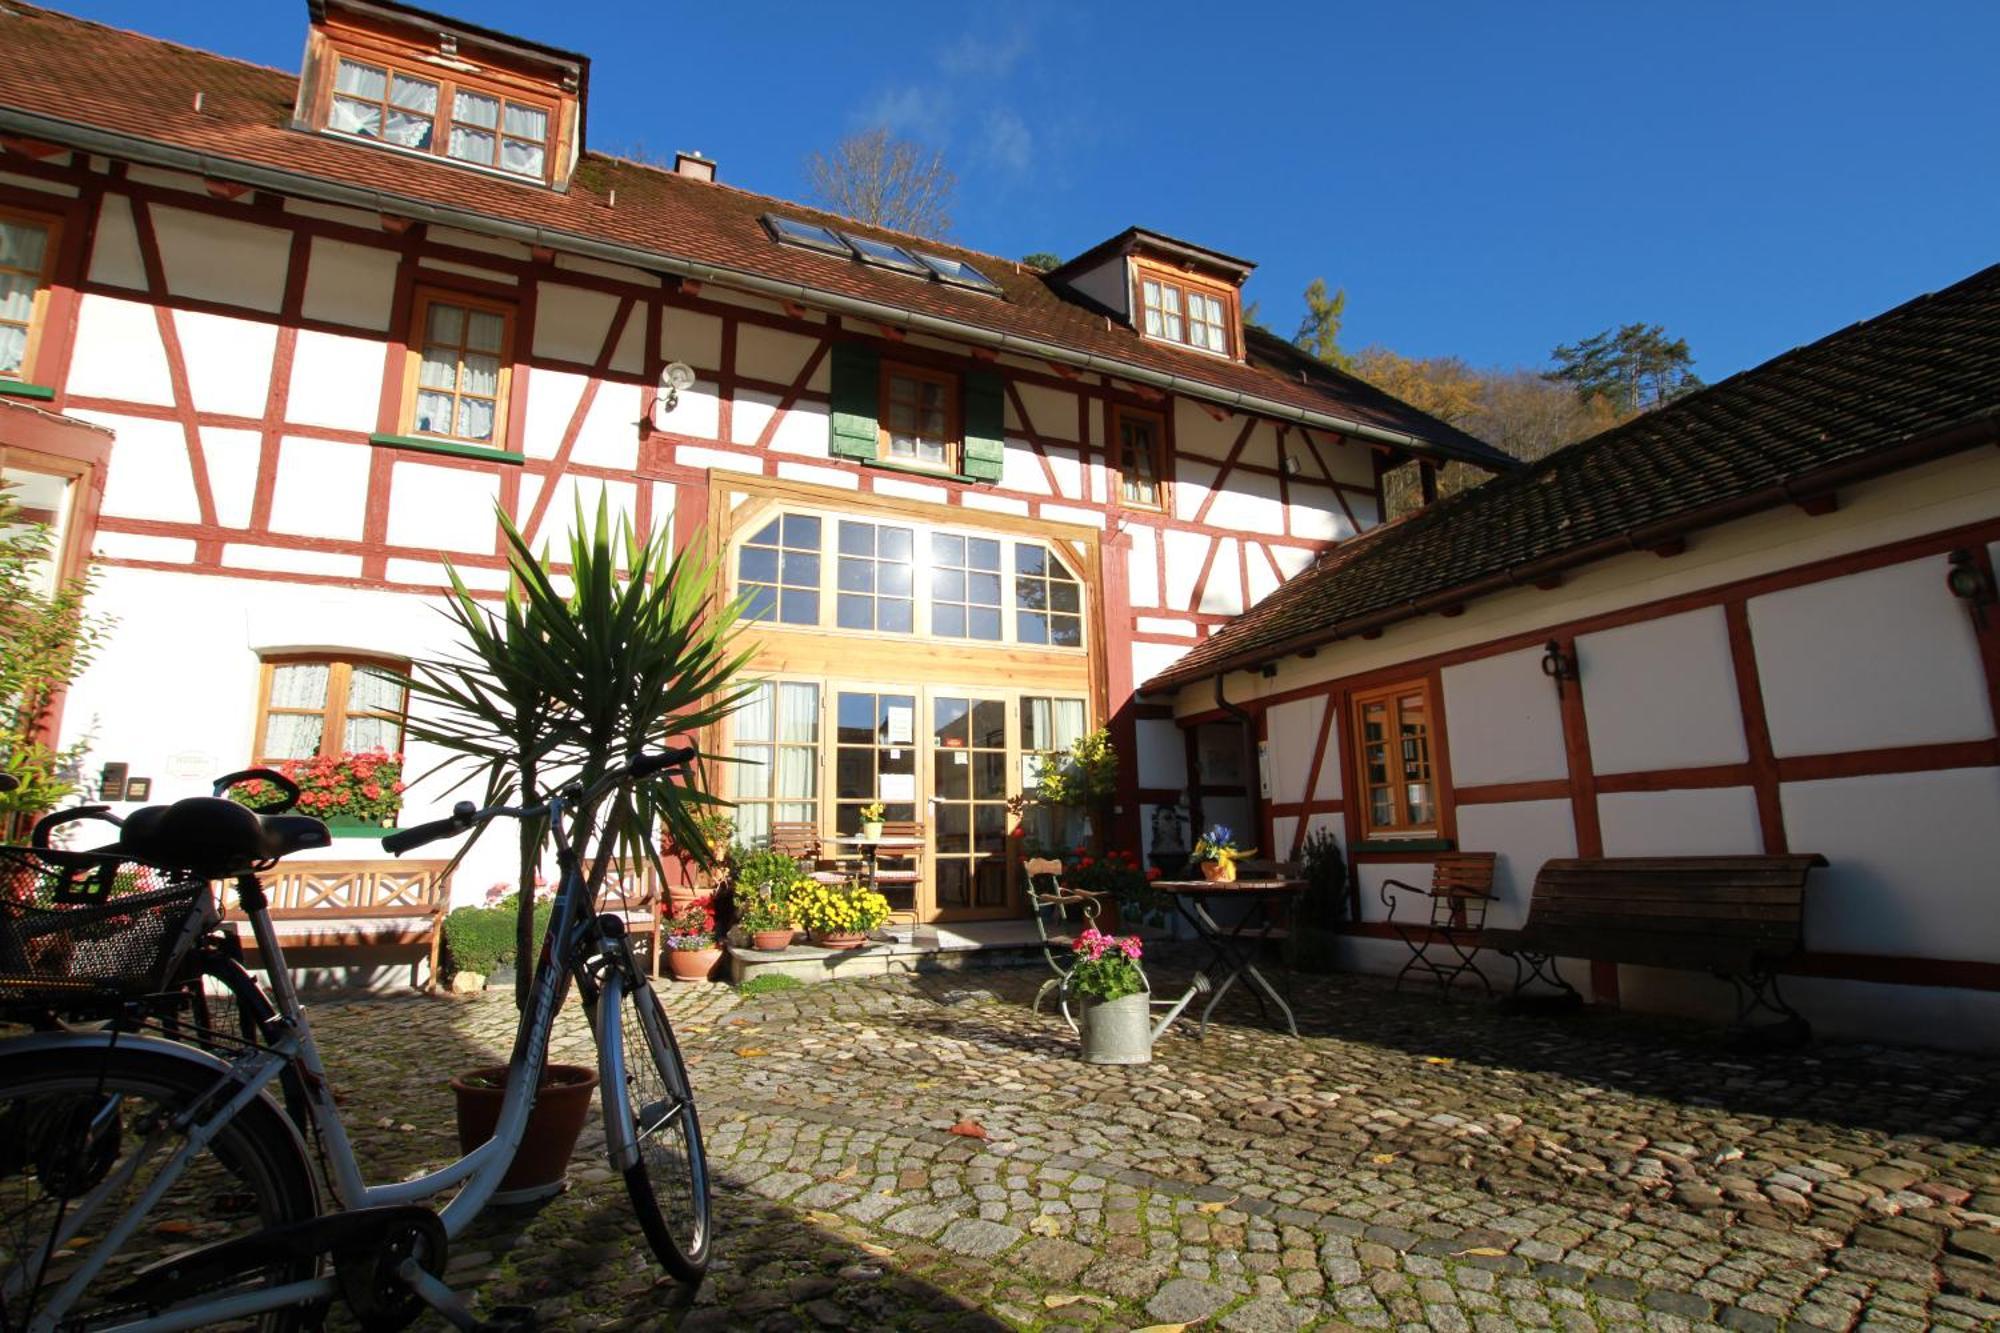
869,850
1272,903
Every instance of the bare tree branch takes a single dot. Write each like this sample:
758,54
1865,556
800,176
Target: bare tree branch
885,182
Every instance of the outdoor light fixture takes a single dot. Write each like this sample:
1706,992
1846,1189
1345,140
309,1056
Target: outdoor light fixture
674,377
1558,665
1970,583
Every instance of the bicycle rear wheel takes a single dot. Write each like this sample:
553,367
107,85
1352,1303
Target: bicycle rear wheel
648,1097
71,1120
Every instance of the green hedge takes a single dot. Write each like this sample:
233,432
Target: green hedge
479,939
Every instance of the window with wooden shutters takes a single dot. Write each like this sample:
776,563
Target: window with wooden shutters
911,416
919,423
1392,737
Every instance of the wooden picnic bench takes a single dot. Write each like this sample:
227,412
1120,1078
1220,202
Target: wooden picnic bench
1738,917
355,906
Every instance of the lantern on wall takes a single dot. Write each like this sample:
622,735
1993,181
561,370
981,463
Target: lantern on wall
1558,665
674,376
1970,582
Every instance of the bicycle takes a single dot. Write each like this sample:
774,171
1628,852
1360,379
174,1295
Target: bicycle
193,1138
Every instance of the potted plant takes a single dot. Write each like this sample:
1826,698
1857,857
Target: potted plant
871,822
710,851
766,919
359,790
692,952
562,1103
1218,854
838,915
479,940
1116,1023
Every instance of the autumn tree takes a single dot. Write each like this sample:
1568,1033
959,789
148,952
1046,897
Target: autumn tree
1526,414
1635,368
1319,328
1444,386
885,182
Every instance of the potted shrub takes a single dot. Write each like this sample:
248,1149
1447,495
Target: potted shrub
479,941
839,916
562,1103
766,919
871,822
1116,1022
359,790
692,952
1218,854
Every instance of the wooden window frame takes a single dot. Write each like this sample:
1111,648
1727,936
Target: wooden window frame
38,308
1401,828
1161,483
340,673
1144,271
449,82
954,433
413,364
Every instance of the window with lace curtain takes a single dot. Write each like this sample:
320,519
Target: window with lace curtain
433,111
461,353
776,734
314,705
28,244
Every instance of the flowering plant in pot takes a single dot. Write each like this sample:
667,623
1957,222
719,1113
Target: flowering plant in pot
871,821
362,789
1218,853
692,952
838,915
1116,1025
766,917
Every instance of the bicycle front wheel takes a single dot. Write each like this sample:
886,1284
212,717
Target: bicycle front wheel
83,1131
649,1110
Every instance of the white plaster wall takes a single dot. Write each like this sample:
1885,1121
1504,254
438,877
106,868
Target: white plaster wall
1353,464
803,430
1021,468
1263,576
1198,434
1503,720
223,259
610,434
1371,874
1051,413
1661,694
1716,821
571,323
551,402
232,472
114,255
350,284
559,522
321,488
446,508
336,381
118,353
1149,659
771,354
1185,553
1884,657
150,475
1316,514
228,361
1192,482
286,560
1142,567
1249,503
1911,862
1525,834
1065,464
687,335
747,416
1223,593
1293,734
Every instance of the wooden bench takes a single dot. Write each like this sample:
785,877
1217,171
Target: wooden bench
357,905
1739,917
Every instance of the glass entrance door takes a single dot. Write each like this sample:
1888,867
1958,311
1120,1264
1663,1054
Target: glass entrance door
875,760
969,802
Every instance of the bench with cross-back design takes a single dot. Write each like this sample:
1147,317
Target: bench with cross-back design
1739,917
391,906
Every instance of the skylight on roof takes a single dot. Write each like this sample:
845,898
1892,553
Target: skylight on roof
807,234
958,273
882,254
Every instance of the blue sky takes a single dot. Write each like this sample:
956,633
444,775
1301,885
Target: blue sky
1484,179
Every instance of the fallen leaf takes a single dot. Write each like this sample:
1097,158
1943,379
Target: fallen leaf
1486,1252
1210,1207
1382,1158
751,1052
970,1129
1058,1302
877,1251
847,1173
1439,1060
1046,1225
173,1226
819,1219
1161,1328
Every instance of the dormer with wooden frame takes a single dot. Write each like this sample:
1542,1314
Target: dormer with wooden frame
409,81
1168,290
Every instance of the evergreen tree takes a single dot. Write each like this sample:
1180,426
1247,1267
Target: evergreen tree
1634,368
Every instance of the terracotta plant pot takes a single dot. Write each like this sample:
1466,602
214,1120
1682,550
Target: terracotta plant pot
692,964
562,1103
680,896
771,941
845,940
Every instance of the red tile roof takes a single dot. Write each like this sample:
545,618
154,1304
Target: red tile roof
1913,384
78,73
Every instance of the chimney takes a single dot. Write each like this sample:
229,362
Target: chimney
694,166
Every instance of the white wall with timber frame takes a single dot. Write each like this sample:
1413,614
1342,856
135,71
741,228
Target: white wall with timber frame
1787,682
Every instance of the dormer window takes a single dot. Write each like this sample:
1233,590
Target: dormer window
1180,308
483,127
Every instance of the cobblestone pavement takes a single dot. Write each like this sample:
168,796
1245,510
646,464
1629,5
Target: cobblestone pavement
1410,1163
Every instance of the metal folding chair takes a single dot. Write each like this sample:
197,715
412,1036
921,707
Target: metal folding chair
1461,887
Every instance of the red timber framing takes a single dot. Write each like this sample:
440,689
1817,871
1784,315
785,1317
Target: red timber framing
1075,452
1763,772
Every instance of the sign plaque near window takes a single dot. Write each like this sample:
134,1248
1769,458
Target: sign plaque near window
111,782
138,789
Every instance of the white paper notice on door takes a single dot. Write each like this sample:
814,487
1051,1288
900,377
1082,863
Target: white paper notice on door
902,724
896,788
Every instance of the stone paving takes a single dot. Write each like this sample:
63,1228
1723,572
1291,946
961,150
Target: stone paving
1409,1164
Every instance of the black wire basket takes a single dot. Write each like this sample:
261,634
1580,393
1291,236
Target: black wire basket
85,925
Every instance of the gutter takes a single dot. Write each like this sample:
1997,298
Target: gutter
110,143
1792,489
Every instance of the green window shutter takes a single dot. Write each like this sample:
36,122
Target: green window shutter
857,373
985,426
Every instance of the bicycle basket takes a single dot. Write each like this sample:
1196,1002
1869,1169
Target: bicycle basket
80,924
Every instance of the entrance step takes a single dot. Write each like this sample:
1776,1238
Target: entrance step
903,948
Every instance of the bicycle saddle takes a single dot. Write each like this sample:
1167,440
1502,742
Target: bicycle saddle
214,837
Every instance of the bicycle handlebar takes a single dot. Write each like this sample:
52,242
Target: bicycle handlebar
465,814
288,790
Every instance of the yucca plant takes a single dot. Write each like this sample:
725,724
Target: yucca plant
550,687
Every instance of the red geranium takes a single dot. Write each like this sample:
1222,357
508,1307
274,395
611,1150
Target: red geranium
366,785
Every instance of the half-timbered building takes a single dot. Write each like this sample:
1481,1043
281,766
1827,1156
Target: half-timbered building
274,346
1760,620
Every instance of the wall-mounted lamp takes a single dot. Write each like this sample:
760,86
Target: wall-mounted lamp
674,376
1971,584
1558,665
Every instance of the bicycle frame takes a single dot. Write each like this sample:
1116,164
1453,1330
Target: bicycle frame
565,954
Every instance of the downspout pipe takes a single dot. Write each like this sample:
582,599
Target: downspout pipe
110,143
